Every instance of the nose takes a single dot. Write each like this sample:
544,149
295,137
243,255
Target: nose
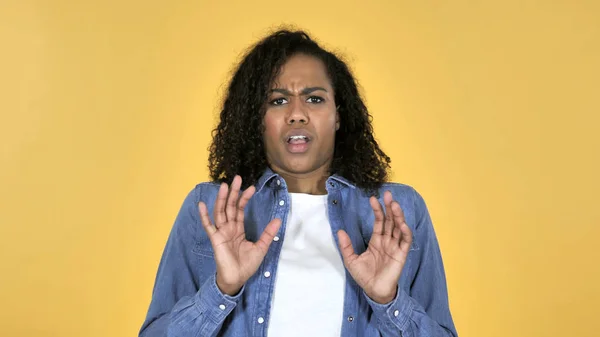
297,112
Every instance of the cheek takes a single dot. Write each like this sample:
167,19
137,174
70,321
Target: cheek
271,129
331,126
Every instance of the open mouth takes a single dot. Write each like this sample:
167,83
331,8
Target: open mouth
297,139
298,144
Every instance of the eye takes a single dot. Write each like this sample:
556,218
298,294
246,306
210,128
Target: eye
278,101
315,99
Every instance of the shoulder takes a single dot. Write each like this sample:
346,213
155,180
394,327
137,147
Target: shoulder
404,194
207,189
399,189
411,201
205,192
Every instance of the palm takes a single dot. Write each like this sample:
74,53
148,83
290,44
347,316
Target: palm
239,257
236,258
378,269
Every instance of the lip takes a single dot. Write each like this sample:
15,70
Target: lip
298,148
297,132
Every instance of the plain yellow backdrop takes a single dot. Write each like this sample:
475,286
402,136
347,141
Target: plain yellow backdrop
489,108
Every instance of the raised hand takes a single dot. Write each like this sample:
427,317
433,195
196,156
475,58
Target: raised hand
237,259
378,269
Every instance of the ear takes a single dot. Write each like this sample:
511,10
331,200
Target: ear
337,118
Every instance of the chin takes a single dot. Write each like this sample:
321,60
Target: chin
295,165
299,169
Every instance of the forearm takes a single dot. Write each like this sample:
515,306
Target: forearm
202,314
405,317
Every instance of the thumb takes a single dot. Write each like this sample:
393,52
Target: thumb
346,248
268,234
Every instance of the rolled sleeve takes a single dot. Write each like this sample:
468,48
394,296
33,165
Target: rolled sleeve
395,314
215,305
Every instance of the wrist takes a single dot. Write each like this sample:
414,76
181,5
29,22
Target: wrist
228,289
384,298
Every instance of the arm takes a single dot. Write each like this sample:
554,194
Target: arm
189,299
184,303
425,311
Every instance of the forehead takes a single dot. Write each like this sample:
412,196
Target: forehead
302,70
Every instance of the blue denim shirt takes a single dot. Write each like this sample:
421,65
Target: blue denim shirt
187,302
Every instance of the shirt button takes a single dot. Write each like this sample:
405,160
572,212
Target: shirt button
267,274
396,313
335,202
261,320
278,182
281,202
350,318
276,238
222,307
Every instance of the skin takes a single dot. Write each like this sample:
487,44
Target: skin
302,97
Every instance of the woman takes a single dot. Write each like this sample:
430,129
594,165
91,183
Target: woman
299,232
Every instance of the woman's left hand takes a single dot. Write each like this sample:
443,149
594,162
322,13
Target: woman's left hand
378,269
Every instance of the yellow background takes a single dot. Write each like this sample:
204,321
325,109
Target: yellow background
489,109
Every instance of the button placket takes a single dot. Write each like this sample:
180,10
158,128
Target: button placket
270,262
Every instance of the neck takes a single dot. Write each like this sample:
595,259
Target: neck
309,183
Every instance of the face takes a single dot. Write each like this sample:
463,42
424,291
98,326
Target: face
301,118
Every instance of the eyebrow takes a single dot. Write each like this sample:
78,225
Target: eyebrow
305,91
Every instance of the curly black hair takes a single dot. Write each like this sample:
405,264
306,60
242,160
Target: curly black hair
237,146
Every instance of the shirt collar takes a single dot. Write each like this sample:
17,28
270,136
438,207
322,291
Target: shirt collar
268,175
264,179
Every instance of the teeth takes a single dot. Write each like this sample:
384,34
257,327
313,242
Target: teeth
297,138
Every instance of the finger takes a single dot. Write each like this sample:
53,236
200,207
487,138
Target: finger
248,193
208,226
407,238
397,234
232,200
379,217
220,216
398,215
388,224
266,238
346,248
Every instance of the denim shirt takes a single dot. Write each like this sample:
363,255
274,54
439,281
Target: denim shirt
187,302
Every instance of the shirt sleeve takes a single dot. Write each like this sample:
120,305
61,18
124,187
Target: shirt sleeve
182,303
424,312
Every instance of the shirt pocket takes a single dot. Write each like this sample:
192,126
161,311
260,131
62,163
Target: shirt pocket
204,264
414,246
203,248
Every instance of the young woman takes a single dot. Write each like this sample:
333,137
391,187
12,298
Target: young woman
299,233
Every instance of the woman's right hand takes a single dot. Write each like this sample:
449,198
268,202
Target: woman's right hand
236,258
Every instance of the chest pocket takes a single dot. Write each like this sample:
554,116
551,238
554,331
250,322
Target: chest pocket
203,248
414,246
204,262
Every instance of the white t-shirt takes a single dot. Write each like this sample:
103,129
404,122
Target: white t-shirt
308,299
